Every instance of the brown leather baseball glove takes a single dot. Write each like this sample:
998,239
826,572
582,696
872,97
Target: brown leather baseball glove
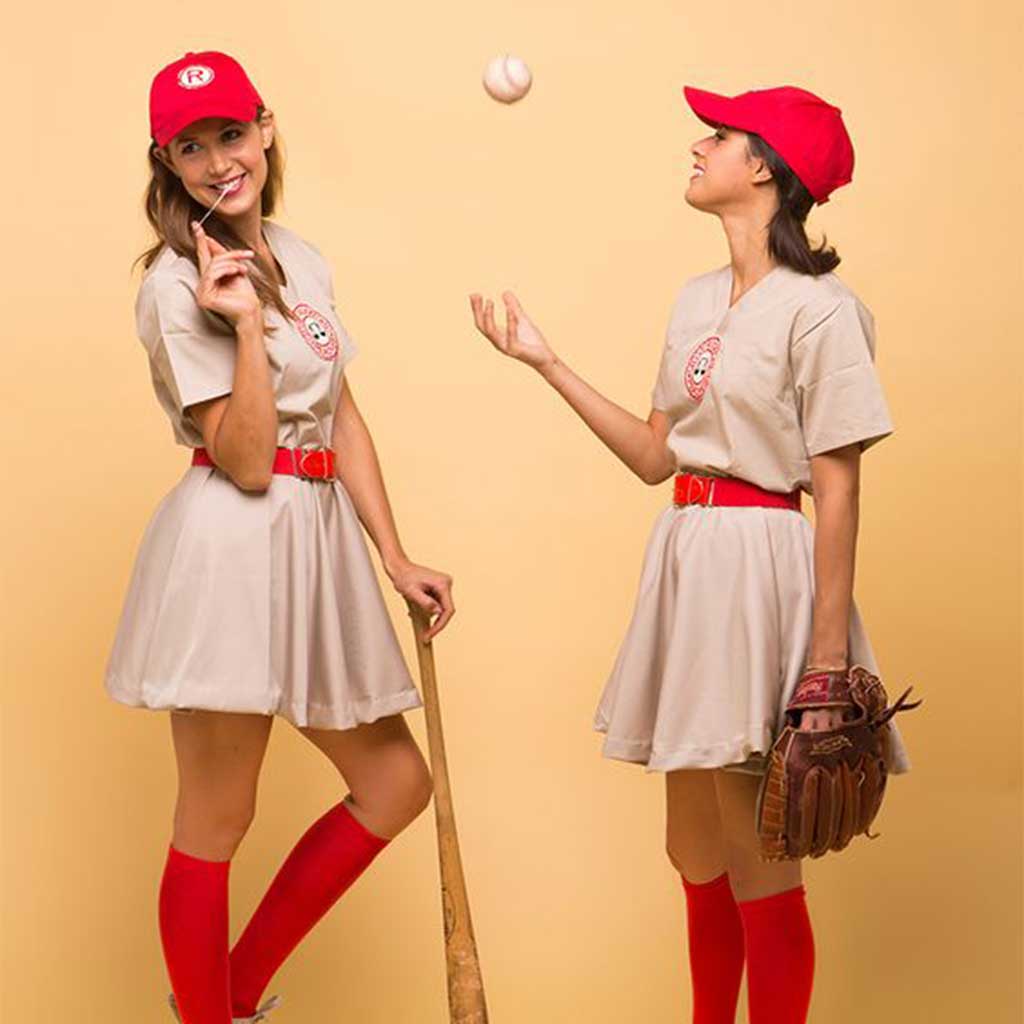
823,787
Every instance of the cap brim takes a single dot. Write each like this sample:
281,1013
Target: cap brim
711,107
243,110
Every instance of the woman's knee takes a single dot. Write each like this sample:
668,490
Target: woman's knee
394,790
219,756
210,831
413,786
693,841
752,878
674,855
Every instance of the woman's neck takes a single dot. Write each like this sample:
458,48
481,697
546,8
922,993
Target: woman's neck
746,232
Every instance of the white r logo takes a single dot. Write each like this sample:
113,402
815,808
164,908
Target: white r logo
195,76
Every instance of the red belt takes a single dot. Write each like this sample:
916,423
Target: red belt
313,463
698,489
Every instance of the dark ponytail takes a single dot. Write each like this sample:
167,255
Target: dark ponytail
787,239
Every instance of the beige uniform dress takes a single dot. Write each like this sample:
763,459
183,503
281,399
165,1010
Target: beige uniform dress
262,602
721,627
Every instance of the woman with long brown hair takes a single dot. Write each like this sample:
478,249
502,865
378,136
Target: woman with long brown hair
253,594
766,388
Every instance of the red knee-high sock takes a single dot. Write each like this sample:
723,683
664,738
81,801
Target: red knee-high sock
715,934
326,860
193,913
780,957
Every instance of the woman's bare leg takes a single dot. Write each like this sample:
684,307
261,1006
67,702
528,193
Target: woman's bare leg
695,841
389,786
219,756
696,848
751,878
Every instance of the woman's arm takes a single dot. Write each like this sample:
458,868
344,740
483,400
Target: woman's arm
835,479
240,429
640,444
358,468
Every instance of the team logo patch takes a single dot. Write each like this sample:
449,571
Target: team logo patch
316,330
699,365
195,76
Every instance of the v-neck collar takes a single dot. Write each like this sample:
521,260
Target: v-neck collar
273,243
724,309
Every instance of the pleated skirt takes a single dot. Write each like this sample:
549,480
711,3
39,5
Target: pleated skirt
719,635
263,602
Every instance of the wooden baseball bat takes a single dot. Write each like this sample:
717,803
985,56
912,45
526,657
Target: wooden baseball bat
466,1002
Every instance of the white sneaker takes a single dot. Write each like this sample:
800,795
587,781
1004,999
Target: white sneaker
260,1014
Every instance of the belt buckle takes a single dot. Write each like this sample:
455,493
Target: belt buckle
706,486
300,465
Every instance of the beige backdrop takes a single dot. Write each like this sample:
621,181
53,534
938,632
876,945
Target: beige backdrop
419,189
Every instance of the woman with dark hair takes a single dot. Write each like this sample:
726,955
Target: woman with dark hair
766,388
253,594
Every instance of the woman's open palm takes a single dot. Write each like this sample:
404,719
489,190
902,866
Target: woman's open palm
521,339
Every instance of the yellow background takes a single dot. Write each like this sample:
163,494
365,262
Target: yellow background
419,189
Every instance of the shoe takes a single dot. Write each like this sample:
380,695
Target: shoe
260,1014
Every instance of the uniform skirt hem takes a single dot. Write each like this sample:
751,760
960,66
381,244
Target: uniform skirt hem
744,753
308,713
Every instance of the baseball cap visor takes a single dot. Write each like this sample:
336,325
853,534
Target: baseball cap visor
711,107
236,110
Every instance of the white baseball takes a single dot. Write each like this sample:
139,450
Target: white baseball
507,78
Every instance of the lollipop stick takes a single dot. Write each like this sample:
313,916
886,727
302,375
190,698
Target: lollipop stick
223,193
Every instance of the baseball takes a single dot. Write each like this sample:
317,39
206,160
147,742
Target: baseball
507,78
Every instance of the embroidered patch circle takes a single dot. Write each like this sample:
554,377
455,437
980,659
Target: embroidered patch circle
699,365
195,76
316,330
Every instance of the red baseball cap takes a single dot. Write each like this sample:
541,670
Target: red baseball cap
207,84
802,128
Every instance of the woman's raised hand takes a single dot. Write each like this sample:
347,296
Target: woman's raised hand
224,285
521,339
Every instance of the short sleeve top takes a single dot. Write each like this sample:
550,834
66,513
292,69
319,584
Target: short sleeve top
755,389
192,351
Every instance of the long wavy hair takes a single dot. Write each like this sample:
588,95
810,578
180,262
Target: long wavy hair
787,237
170,210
